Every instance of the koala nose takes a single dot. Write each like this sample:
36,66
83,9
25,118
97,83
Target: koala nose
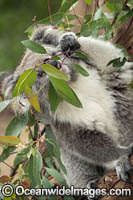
54,63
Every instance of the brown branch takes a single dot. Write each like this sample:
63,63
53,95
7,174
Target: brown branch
125,32
50,13
77,17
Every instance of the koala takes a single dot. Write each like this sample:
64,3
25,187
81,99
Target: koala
98,137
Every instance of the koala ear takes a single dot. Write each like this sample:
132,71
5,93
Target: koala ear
39,33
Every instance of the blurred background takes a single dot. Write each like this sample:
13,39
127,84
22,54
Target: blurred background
15,17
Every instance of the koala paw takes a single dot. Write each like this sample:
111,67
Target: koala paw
93,184
69,42
123,169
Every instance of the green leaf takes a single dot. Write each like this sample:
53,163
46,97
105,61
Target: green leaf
52,71
58,177
56,18
118,62
6,153
64,91
126,16
115,6
22,155
4,104
56,153
52,198
85,30
9,140
37,166
34,46
28,169
98,13
46,183
67,5
56,58
81,55
16,126
88,2
32,98
54,98
81,70
131,84
68,198
27,78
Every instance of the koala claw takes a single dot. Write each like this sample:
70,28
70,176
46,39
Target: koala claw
93,185
124,169
69,42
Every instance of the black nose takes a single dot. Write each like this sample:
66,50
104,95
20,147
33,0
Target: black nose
54,63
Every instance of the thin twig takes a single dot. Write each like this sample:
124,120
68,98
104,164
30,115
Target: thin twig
8,165
14,170
77,17
50,13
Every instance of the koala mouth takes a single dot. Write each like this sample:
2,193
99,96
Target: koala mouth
57,64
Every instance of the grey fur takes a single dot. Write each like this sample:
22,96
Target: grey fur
86,151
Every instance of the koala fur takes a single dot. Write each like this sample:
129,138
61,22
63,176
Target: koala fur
99,136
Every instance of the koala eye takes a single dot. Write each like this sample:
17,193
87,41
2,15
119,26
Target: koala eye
45,60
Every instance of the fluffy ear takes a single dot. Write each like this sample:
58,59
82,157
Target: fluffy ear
38,33
7,83
46,35
3,81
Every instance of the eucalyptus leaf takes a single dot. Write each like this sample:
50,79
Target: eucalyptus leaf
81,70
58,177
37,166
118,62
27,78
81,55
131,84
32,98
4,104
16,126
88,1
9,140
6,153
34,46
52,71
67,5
46,183
54,98
65,92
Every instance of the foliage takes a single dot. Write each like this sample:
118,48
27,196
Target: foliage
37,169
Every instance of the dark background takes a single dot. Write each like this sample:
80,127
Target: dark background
15,17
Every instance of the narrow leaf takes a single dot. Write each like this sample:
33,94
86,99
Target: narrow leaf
81,70
27,78
117,62
9,140
4,104
32,98
54,98
16,126
37,166
46,183
81,55
6,152
64,91
34,46
88,2
66,5
52,71
54,173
